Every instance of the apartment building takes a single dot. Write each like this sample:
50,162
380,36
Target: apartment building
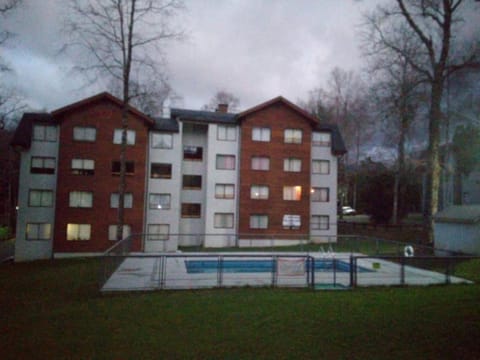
212,179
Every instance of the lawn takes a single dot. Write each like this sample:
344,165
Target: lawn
53,309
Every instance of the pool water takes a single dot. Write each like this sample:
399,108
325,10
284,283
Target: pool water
259,266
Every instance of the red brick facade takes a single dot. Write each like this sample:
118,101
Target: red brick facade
278,116
105,115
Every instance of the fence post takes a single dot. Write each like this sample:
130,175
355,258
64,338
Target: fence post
402,270
220,271
312,269
352,278
447,272
274,270
334,272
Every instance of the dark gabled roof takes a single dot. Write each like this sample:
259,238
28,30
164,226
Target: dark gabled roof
203,116
103,96
279,99
166,124
23,133
338,146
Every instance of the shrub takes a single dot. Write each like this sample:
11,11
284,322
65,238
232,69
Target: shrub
5,233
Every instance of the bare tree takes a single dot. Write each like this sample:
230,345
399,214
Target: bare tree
433,26
118,38
223,97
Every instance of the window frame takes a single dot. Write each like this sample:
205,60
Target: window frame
260,158
129,167
196,155
322,143
320,161
38,231
230,220
317,225
46,137
78,231
222,156
158,205
292,139
191,186
261,130
186,206
158,236
43,159
160,165
292,189
320,190
169,135
42,192
127,200
226,129
82,194
223,194
264,216
83,137
131,140
82,170
112,231
288,164
260,195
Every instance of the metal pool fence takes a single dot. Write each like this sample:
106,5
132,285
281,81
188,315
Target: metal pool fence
346,263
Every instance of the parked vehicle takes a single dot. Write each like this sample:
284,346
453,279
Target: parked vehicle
348,210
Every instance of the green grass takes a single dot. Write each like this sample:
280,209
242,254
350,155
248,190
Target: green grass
53,309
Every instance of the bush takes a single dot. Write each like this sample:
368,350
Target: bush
5,233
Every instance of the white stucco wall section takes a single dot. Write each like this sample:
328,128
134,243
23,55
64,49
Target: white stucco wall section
221,237
35,249
457,237
164,186
330,181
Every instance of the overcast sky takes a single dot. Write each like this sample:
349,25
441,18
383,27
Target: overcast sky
255,49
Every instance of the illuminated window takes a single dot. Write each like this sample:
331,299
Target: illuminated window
292,193
78,232
159,201
259,192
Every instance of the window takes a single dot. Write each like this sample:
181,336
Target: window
223,221
161,171
78,232
158,231
44,133
194,153
38,231
127,200
42,165
260,163
159,201
112,232
291,222
320,194
293,165
259,192
321,167
81,199
192,182
191,210
81,133
225,162
226,133
117,136
83,167
292,193
129,167
261,134
320,222
321,139
40,198
258,221
224,191
162,141
293,136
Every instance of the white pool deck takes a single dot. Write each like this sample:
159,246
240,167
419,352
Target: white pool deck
141,273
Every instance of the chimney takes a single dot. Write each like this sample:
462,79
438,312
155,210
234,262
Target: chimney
222,108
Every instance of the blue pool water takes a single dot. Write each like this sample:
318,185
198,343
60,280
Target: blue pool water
259,266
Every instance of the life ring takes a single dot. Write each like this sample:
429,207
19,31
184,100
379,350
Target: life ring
408,251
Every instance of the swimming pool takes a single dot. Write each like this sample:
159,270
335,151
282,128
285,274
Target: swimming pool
260,266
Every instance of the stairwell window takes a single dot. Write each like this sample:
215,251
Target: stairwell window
293,136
